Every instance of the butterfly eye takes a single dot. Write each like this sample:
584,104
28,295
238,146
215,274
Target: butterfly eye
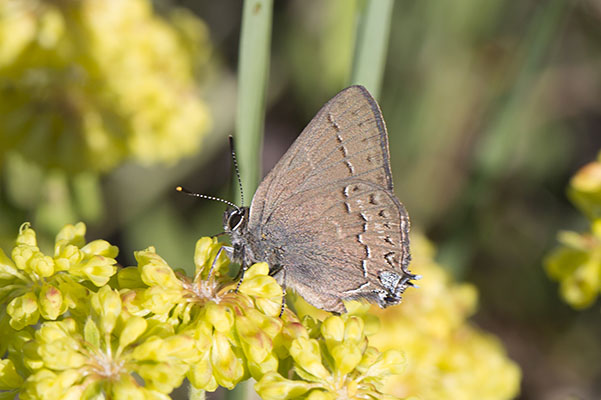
234,220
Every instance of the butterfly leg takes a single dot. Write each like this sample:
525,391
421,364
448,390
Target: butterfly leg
223,248
283,284
229,251
243,269
279,274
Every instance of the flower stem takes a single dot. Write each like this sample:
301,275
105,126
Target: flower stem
196,394
371,44
253,70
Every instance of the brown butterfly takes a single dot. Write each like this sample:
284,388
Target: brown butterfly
325,218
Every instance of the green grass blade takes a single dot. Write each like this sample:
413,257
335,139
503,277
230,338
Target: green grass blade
497,148
371,44
253,70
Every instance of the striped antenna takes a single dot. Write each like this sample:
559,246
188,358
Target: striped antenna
233,153
204,196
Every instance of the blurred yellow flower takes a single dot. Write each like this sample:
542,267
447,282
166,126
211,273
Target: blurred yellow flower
87,84
585,189
447,357
576,262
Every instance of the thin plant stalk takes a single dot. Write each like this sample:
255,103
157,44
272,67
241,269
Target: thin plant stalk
253,70
497,147
196,394
371,44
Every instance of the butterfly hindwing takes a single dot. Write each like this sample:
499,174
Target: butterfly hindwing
350,242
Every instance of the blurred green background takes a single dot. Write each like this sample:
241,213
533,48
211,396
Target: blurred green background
491,107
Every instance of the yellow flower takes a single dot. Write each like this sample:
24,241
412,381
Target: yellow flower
585,189
234,330
10,380
174,297
338,364
576,262
447,358
77,98
102,356
35,285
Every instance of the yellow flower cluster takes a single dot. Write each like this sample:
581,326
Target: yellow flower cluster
35,285
98,358
576,263
337,364
447,358
93,340
139,333
233,330
86,84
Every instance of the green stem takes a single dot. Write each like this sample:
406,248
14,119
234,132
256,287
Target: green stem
196,394
240,392
496,148
253,70
371,44
87,195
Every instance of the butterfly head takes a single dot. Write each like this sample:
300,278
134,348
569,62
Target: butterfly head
235,220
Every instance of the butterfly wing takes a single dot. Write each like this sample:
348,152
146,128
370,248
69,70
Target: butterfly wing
347,138
328,209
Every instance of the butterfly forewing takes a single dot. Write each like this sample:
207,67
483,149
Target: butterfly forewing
326,213
346,139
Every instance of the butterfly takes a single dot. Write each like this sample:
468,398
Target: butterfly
325,218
